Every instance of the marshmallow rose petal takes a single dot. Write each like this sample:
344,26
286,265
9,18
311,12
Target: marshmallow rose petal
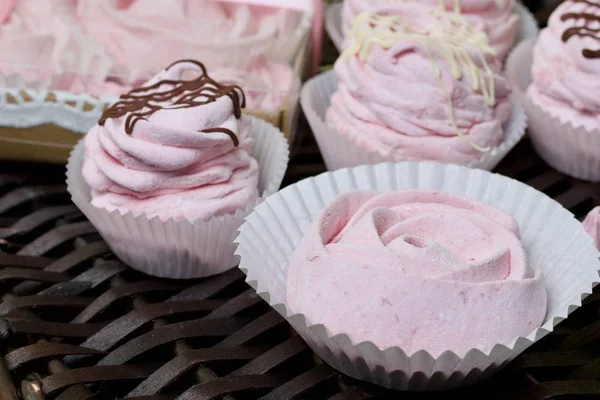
421,270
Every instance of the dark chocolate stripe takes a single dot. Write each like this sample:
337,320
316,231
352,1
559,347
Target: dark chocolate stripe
226,131
583,31
587,53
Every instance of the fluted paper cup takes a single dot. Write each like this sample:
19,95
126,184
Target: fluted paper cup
340,151
528,27
553,239
183,249
571,149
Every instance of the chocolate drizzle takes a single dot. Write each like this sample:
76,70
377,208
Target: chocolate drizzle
232,135
585,30
141,103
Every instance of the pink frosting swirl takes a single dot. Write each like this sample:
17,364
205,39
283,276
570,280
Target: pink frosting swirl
40,38
496,17
564,81
393,102
169,167
591,224
416,269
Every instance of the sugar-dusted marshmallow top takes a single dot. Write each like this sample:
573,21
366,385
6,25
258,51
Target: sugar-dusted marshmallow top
416,269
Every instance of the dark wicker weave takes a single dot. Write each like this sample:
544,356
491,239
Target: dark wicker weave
78,324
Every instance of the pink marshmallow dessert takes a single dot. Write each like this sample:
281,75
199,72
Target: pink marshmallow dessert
446,258
107,48
142,35
171,169
558,80
417,275
418,85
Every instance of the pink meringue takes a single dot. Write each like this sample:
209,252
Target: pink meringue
110,47
417,269
591,224
497,18
566,82
143,35
174,149
41,38
401,100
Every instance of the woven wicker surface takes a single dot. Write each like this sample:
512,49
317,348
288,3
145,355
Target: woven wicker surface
78,324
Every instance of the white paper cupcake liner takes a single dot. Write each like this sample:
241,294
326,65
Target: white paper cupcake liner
183,249
340,151
554,240
528,27
570,149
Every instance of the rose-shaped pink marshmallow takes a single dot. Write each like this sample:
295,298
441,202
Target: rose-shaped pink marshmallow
421,270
